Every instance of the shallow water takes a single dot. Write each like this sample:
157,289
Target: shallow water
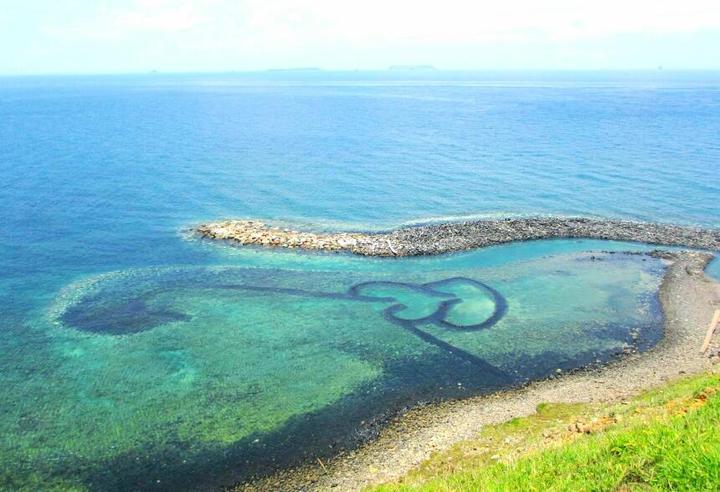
208,374
132,353
713,269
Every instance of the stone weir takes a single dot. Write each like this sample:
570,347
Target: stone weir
432,239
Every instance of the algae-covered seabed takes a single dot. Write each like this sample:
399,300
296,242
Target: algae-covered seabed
193,376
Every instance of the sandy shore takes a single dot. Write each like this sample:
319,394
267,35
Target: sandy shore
435,239
688,299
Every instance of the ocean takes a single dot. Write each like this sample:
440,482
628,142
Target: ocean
136,356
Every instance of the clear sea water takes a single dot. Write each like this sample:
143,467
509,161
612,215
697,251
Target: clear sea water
137,357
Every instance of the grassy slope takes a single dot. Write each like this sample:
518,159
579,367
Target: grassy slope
668,438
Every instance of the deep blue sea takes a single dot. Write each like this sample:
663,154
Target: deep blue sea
135,356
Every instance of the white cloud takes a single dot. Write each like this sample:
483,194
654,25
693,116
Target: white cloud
463,21
279,23
255,34
140,16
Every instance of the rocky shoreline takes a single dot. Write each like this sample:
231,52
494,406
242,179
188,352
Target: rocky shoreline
433,239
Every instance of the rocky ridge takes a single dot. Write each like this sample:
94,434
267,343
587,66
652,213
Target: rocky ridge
434,239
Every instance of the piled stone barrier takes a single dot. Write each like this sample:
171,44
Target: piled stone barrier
435,239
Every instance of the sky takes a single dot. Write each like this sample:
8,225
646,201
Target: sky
118,36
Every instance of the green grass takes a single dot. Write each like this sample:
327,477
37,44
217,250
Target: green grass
666,439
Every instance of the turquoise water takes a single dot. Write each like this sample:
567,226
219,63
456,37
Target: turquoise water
137,357
714,268
170,376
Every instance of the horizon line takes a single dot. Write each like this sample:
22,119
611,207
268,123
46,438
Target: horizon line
427,69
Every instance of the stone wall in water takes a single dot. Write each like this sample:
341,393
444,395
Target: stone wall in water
450,237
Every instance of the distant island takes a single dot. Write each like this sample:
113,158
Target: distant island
296,69
412,68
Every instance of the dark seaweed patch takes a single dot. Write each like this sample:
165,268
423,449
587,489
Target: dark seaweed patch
118,318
